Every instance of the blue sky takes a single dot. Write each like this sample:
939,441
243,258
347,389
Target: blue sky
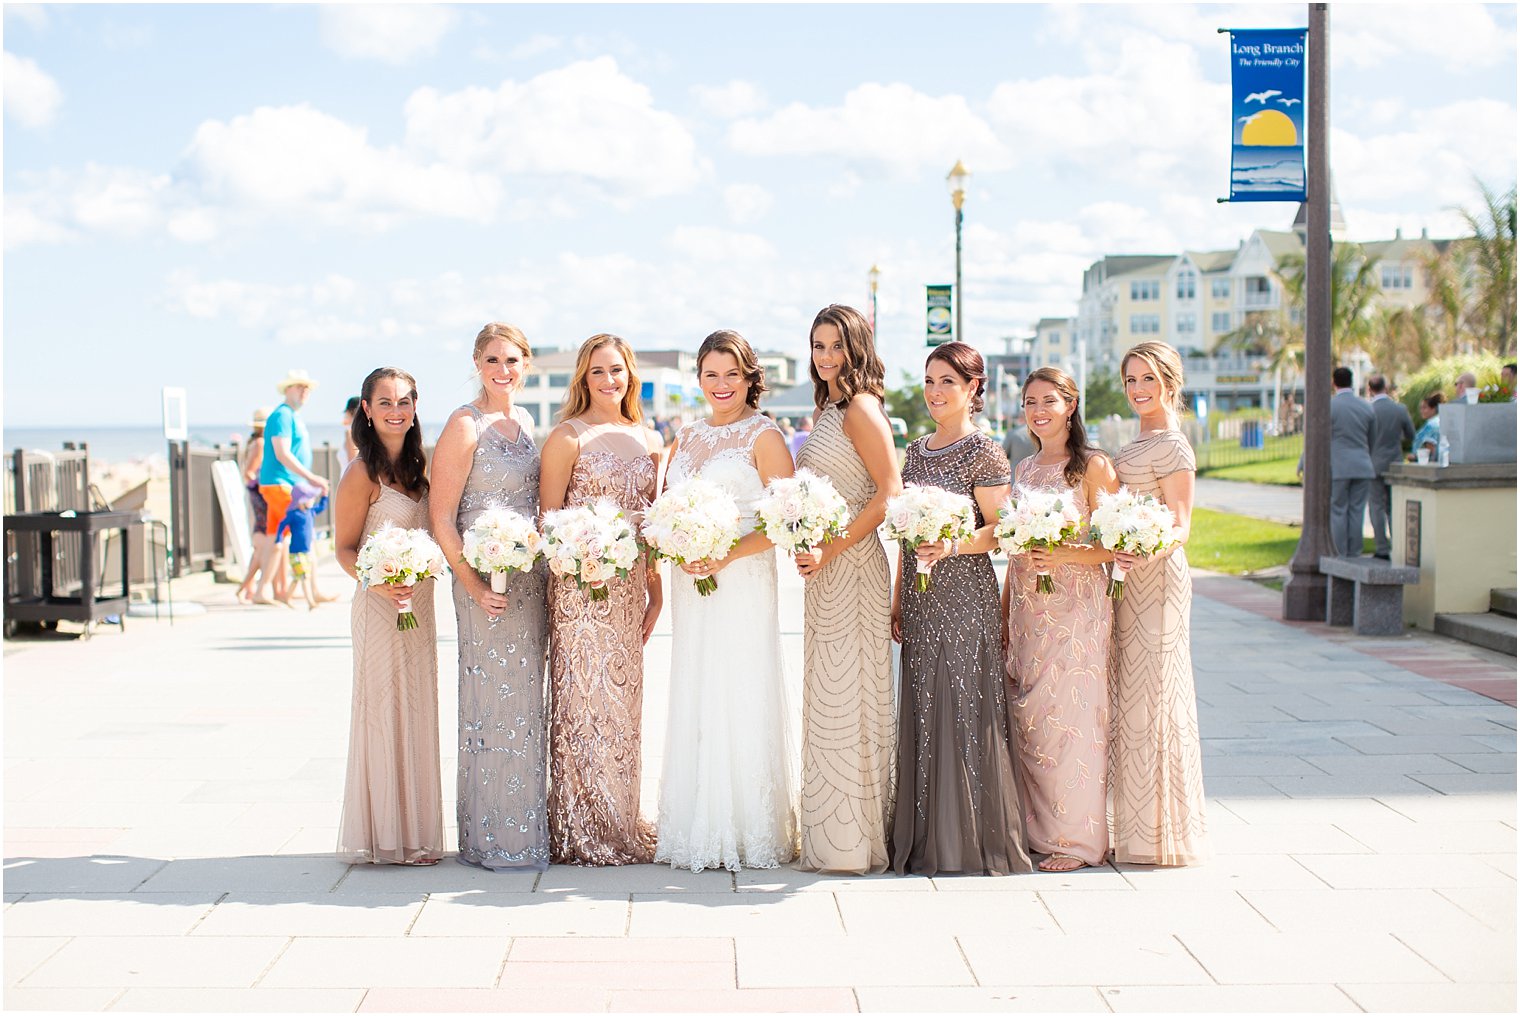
204,196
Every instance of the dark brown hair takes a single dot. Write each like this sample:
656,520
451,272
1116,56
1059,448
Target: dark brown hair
863,371
968,363
408,471
732,343
1077,449
1434,400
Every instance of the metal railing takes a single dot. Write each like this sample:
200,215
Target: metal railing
1227,442
41,481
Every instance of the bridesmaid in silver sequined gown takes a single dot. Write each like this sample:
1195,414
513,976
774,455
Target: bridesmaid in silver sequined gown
600,450
957,803
486,458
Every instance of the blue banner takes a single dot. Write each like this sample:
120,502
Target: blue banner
1268,72
937,319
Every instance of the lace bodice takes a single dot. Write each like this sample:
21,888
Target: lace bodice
613,463
724,455
503,474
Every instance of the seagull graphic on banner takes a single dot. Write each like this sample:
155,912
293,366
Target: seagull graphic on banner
1262,97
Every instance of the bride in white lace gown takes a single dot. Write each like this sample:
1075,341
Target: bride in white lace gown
727,791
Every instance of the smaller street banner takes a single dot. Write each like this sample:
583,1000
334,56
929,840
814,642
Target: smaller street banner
938,309
1268,71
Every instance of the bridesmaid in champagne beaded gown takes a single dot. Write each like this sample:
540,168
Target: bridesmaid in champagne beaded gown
1156,758
486,458
392,795
848,729
596,654
1058,642
957,805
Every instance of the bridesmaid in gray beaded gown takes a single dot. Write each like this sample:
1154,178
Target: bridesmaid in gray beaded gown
958,808
486,458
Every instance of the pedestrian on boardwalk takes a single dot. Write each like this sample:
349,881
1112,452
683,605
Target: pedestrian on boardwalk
1057,643
286,462
250,459
1352,426
300,524
486,458
1391,429
1155,762
958,808
848,727
392,796
600,450
346,448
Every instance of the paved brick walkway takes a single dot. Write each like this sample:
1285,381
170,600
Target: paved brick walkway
172,795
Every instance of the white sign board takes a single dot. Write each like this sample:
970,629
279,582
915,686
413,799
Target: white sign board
176,416
237,516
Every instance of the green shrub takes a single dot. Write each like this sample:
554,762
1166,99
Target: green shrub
1441,376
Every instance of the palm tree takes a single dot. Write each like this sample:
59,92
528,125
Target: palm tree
1354,291
1490,276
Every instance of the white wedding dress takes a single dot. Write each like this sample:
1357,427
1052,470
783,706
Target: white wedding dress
726,793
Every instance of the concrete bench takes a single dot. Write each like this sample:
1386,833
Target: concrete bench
1366,593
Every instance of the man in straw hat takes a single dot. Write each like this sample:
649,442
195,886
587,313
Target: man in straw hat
287,461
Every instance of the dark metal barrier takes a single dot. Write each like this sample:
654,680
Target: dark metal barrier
39,481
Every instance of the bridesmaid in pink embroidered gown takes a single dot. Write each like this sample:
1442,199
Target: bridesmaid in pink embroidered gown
1057,643
596,654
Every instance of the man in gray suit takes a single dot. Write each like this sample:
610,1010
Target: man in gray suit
1351,472
1391,429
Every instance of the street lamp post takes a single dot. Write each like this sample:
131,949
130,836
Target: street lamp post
875,276
956,181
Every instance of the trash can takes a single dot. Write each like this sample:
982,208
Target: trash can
53,570
1252,434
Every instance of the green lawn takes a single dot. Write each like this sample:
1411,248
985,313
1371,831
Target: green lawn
1278,472
1236,544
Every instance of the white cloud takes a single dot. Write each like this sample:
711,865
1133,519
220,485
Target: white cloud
57,207
390,33
32,97
747,202
588,121
32,15
1459,36
1433,160
535,45
298,159
712,245
735,99
894,125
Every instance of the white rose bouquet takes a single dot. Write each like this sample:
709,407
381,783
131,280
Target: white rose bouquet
590,544
399,557
801,512
1134,524
1037,518
691,521
927,514
501,541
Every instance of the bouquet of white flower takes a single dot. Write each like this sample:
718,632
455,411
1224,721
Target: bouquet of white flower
1132,523
501,541
927,514
801,512
590,544
1037,518
691,521
399,557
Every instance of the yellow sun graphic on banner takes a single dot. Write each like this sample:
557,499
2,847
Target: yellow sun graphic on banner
1269,127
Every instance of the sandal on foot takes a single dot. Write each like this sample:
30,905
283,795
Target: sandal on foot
1062,863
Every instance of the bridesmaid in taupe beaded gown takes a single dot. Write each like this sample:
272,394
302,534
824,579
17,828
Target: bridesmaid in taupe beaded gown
1156,758
486,458
392,795
957,809
847,722
601,450
1057,642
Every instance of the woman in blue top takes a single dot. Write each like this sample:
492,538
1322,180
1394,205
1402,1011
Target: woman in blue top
1429,434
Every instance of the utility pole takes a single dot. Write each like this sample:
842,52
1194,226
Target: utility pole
1304,593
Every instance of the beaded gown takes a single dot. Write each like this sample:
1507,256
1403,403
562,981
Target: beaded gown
957,805
596,673
848,728
503,761
392,795
727,785
1155,757
1058,700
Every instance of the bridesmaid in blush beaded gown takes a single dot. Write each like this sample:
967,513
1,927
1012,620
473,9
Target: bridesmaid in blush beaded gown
957,802
848,727
596,655
1058,642
1156,757
486,459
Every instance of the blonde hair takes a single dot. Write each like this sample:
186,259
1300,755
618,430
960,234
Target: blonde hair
1167,365
578,395
507,333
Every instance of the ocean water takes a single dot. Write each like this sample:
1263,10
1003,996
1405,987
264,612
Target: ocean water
131,444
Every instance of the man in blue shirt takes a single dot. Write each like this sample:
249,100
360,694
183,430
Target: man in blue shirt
287,461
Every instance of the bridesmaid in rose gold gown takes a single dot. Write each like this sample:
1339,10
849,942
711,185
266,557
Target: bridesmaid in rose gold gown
596,654
1058,643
